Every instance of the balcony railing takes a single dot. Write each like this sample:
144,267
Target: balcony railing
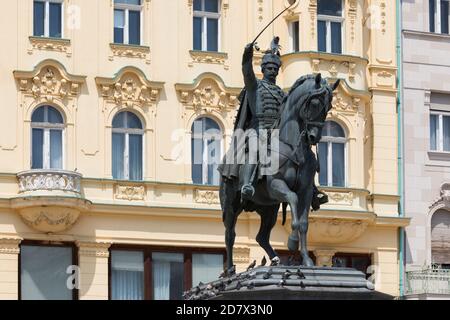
49,180
428,281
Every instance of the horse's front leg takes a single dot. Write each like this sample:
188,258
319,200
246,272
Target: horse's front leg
305,198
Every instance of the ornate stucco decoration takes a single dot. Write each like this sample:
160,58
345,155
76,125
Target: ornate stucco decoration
334,231
49,201
9,245
208,57
352,12
49,81
312,8
130,192
341,198
93,249
225,6
208,94
206,196
129,88
50,44
444,197
260,10
347,101
241,254
130,51
383,77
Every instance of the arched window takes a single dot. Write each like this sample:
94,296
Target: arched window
332,156
206,151
440,238
127,138
47,126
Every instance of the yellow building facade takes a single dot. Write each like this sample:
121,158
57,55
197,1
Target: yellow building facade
61,97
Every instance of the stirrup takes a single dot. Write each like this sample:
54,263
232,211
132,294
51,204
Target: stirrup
247,191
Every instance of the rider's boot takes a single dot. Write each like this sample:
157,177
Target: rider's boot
318,198
247,190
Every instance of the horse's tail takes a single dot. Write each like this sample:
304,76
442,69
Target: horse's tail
284,213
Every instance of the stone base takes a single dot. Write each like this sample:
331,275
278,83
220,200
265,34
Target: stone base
290,283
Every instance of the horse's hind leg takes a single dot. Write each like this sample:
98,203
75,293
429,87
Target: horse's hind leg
304,206
268,221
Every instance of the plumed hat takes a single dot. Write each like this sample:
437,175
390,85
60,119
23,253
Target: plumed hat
273,54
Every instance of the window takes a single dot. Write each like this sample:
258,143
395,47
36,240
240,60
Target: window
440,122
206,151
127,142
294,31
206,25
47,128
161,274
48,18
44,272
332,157
439,16
329,25
127,21
440,239
360,262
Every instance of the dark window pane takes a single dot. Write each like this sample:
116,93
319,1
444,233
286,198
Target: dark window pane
119,23
38,18
198,5
444,16
336,37
432,13
134,25
212,5
323,160
168,276
118,151
54,116
197,160
43,273
37,149
136,2
329,7
211,126
133,121
197,33
55,20
127,275
433,131
213,146
295,36
446,133
341,262
338,165
322,35
119,120
56,149
135,157
213,32
334,130
38,115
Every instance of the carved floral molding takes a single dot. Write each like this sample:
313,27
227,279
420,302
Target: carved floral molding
333,231
9,245
241,254
130,193
341,198
206,196
130,51
49,219
130,88
93,249
49,81
208,57
444,196
50,44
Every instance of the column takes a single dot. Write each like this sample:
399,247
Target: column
9,268
324,258
93,262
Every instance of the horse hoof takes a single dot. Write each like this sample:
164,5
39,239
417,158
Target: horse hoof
307,262
275,262
293,243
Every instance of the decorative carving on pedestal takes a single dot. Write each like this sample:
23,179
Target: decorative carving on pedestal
93,249
129,51
241,254
324,258
130,193
50,44
130,88
49,81
206,196
9,245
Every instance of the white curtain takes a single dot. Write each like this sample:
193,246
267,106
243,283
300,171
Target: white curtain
127,276
206,267
161,280
118,149
56,149
165,265
135,157
338,164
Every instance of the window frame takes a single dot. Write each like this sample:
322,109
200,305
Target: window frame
328,20
329,140
37,243
126,34
439,131
126,156
204,137
47,18
47,127
437,17
148,251
292,32
204,15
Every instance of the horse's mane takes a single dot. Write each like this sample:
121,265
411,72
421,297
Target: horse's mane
300,81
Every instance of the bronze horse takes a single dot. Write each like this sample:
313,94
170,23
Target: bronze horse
302,118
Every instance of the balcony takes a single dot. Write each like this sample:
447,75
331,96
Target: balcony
428,282
49,200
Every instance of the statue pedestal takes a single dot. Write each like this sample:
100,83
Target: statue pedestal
290,283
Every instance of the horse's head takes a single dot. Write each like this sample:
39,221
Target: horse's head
312,96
